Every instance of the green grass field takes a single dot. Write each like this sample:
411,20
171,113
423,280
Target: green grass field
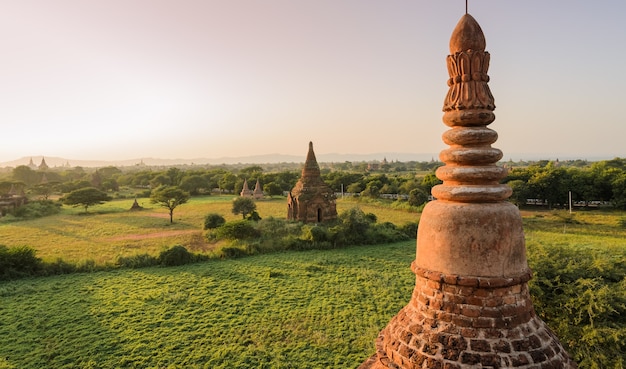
314,309
307,309
109,231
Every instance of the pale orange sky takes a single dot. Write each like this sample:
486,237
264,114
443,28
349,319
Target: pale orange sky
122,79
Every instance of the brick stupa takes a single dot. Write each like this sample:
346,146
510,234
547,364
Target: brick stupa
311,200
470,307
245,190
258,191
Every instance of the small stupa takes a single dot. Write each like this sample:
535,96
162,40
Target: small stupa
311,200
136,206
471,307
245,190
258,191
31,164
43,165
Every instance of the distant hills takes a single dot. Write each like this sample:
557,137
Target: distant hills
255,159
270,159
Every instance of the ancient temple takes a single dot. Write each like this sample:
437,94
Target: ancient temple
13,199
43,165
258,191
31,164
311,200
470,307
245,190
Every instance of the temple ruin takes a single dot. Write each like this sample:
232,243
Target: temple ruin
12,199
471,307
258,191
311,200
245,190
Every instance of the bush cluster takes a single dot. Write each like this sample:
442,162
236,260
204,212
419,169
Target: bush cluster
353,227
20,262
16,262
581,293
37,209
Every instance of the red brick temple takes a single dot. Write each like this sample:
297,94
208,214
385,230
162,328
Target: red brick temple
311,200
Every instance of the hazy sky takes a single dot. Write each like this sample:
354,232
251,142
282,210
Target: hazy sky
122,79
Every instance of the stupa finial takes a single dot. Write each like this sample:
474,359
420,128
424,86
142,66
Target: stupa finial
470,174
311,168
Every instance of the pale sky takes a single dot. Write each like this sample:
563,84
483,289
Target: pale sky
124,79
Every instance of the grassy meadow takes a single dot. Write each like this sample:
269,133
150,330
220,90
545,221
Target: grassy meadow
109,231
296,309
310,309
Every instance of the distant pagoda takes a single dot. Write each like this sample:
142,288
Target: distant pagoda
43,165
258,191
311,200
245,190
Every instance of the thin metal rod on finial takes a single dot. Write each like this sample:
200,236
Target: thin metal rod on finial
465,6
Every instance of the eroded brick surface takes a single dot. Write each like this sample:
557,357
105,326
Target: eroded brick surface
491,343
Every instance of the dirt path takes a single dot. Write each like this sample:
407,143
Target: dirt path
154,235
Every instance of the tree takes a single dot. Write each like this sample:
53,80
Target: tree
417,197
44,189
193,184
213,220
273,189
227,182
429,181
520,192
169,197
160,180
551,184
243,206
24,174
174,175
85,197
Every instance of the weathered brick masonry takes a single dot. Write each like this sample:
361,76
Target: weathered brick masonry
453,322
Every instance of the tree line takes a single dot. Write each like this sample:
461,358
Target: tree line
546,183
551,184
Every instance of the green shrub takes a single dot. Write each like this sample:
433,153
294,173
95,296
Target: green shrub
417,197
88,266
18,262
296,243
176,255
275,228
385,233
315,233
353,227
213,220
232,252
236,230
254,216
37,209
137,261
58,267
581,293
410,229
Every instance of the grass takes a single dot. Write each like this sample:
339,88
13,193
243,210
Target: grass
110,231
283,310
288,310
579,228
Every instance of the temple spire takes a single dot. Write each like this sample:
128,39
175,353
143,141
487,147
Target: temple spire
311,168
